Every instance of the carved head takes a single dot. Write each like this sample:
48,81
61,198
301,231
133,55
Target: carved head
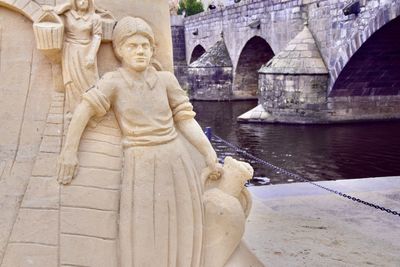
133,42
235,174
84,5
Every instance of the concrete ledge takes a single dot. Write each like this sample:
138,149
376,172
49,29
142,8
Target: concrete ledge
346,186
302,225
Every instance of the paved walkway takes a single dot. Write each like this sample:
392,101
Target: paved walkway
301,225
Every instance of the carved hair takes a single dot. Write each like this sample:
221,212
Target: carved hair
128,27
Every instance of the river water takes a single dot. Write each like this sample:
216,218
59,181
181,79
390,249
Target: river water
317,152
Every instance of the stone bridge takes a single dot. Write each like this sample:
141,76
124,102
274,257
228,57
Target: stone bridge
360,51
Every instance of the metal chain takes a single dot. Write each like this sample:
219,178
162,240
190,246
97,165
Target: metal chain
303,179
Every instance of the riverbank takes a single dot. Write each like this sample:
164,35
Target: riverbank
302,225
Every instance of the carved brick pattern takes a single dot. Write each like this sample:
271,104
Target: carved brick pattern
34,238
93,197
28,8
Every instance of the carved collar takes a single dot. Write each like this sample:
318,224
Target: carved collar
77,16
150,77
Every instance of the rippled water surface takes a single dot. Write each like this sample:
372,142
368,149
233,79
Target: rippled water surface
319,152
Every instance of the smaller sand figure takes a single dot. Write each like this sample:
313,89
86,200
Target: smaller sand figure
82,38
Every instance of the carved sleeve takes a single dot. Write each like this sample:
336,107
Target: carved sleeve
97,29
181,108
100,96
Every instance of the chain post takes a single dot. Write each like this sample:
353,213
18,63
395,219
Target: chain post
208,133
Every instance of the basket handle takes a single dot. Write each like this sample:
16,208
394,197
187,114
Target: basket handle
50,16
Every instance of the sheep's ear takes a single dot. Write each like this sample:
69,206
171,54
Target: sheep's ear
228,159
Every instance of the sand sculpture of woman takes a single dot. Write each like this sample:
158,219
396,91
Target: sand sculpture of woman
163,207
161,210
82,38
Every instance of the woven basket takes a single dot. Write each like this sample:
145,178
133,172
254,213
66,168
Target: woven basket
107,25
49,32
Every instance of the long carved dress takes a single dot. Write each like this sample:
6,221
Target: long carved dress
79,32
161,213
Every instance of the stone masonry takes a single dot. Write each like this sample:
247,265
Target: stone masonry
254,55
179,51
210,77
373,69
338,38
279,22
293,84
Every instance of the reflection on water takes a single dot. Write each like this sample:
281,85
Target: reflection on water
318,152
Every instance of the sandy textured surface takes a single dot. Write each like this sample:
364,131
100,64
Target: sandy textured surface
301,225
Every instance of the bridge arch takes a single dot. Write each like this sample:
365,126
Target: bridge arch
197,52
255,52
29,8
374,69
384,16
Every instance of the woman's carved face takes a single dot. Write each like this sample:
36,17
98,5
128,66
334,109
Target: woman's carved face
82,4
136,52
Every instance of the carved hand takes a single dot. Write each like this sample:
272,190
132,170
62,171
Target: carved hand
89,62
215,168
67,167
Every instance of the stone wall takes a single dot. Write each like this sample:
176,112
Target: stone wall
280,21
213,83
294,98
339,36
359,108
253,56
179,51
374,68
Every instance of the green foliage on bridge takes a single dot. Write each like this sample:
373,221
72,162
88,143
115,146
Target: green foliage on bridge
190,7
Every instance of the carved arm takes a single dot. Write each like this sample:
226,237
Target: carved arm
67,166
194,134
94,48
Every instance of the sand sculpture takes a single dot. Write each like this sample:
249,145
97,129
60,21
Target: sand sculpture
161,206
139,182
81,26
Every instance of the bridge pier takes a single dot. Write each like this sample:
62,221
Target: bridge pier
293,85
210,77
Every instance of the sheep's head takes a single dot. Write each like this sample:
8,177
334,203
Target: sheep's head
235,175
